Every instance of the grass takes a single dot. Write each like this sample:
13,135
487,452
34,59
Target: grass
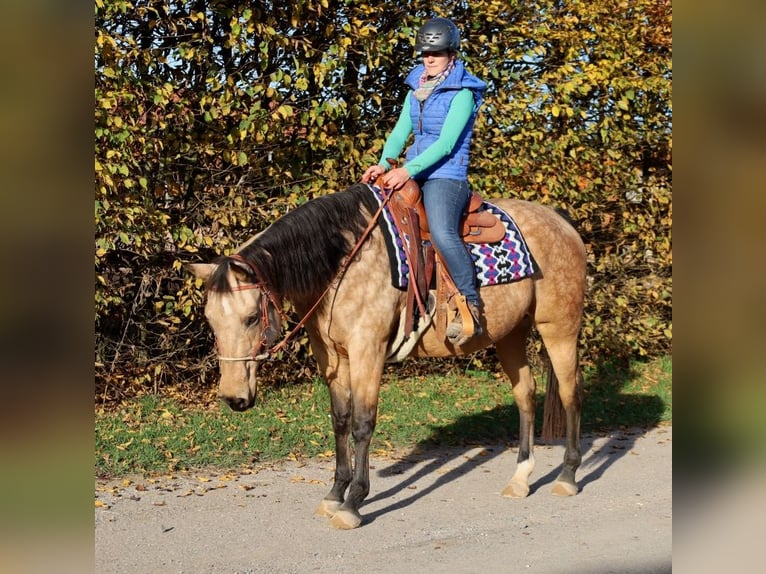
153,434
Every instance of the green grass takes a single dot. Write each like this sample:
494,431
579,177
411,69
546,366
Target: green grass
152,434
639,395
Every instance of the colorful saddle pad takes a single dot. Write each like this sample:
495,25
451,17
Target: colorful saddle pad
506,261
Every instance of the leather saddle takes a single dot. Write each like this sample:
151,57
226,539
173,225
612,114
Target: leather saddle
477,226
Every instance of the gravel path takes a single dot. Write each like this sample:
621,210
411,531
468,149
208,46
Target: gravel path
430,511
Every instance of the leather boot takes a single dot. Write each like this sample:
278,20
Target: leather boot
455,333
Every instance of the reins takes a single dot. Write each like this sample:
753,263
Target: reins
263,286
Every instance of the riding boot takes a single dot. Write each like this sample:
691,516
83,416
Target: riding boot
455,332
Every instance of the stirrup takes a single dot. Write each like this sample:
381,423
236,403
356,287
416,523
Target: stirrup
465,325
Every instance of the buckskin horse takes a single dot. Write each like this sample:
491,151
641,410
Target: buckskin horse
312,259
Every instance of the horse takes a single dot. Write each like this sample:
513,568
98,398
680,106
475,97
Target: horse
313,259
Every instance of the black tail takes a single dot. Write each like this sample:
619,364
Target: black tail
554,416
565,214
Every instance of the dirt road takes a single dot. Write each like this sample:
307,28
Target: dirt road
431,511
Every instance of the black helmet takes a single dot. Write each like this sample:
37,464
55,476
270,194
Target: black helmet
437,35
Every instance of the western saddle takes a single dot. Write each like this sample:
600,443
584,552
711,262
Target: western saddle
477,226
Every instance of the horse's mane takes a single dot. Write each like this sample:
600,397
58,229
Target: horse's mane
300,253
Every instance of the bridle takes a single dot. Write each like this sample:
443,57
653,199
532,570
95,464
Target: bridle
261,284
267,296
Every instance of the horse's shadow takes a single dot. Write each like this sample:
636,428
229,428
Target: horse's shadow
495,432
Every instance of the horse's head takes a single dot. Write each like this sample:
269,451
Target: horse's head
245,318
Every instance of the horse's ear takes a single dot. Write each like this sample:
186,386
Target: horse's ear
241,270
201,270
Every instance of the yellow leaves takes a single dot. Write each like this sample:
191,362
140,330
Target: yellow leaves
557,110
282,416
299,478
106,103
237,158
166,415
125,445
284,112
363,30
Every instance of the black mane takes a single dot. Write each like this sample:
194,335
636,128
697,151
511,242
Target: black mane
300,253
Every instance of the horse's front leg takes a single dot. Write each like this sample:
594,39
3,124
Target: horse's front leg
341,407
366,372
347,515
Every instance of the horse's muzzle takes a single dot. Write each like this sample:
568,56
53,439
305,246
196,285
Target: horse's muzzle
238,403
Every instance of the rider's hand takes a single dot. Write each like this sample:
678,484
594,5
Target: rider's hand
396,178
372,173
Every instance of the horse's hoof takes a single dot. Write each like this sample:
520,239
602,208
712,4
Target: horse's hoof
516,490
561,488
327,508
345,520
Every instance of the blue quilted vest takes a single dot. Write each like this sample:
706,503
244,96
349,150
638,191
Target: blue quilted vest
428,119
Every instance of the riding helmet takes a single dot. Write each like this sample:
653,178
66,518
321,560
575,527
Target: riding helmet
436,35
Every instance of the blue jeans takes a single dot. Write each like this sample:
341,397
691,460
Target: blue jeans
445,201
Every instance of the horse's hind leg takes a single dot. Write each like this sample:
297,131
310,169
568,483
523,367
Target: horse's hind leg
511,351
562,351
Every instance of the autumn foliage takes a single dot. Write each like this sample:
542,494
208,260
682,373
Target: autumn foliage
212,119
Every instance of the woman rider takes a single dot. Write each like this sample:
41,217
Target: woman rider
439,110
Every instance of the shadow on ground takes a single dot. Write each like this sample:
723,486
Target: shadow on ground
607,411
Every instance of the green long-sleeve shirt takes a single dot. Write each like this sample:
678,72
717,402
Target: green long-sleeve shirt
459,113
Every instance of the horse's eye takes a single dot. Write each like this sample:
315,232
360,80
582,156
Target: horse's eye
251,320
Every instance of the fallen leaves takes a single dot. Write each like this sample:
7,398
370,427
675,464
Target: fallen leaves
179,485
299,478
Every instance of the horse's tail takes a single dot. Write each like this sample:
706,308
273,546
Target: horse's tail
554,416
566,216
